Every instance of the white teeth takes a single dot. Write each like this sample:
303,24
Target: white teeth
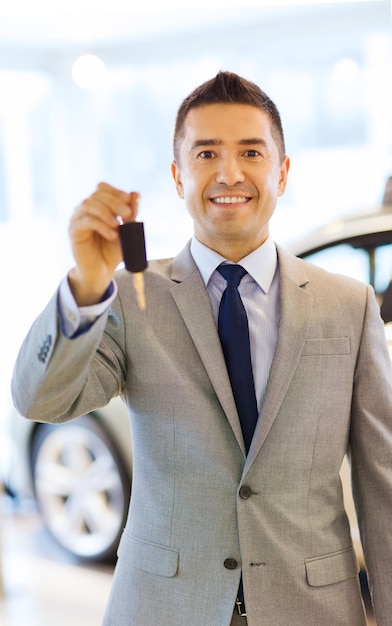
230,200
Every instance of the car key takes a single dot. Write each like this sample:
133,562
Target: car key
133,247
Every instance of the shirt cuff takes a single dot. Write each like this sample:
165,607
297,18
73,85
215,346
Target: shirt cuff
76,320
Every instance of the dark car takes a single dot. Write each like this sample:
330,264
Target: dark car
359,246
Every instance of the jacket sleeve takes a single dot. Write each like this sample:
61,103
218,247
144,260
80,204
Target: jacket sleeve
56,378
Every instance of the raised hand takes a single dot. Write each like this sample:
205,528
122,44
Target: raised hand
95,240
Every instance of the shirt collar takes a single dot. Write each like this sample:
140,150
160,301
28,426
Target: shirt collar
261,264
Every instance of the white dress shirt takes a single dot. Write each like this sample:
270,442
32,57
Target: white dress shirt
259,290
75,319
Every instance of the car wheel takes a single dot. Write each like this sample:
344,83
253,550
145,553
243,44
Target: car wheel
81,487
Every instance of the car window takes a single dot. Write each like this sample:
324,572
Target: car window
343,259
383,268
355,262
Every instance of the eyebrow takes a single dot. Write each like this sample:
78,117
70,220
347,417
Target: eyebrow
251,141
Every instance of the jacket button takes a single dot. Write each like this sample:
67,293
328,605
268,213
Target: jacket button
245,492
230,563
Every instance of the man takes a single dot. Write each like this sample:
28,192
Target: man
217,514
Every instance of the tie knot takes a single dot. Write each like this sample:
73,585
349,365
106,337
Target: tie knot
233,274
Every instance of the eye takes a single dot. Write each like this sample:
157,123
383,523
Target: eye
252,153
206,154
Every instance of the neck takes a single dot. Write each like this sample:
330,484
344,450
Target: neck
232,251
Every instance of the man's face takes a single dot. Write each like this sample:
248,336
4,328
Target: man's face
230,175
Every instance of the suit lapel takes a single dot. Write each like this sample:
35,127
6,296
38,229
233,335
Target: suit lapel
295,305
194,305
192,300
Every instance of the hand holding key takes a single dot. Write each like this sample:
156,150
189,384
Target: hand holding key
95,240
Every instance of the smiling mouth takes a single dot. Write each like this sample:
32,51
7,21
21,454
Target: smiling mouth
230,200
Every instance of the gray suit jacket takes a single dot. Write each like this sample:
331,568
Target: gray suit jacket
201,512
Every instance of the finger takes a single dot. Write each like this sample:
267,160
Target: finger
84,225
115,191
120,203
133,203
105,208
117,197
131,199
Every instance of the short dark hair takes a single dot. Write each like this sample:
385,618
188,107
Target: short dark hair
229,88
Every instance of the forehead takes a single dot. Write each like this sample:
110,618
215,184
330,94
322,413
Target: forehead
227,122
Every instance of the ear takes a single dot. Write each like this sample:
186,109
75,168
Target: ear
284,171
176,173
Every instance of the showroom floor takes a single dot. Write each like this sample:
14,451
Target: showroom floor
41,586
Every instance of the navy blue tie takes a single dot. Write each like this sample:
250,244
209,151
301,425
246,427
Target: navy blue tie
234,335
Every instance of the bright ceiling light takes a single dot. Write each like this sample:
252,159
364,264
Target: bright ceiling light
89,72
346,71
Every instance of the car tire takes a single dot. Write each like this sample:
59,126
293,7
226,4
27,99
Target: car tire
81,486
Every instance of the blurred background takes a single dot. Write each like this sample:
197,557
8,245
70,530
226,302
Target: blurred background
89,92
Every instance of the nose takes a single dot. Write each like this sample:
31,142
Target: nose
229,171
